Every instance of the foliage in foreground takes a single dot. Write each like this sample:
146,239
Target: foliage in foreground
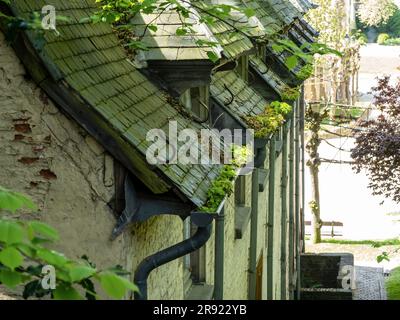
24,252
393,285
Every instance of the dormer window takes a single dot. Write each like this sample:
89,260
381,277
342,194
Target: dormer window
196,100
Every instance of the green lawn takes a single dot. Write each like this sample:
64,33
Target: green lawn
380,243
393,285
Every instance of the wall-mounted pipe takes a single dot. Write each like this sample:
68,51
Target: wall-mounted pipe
181,249
219,256
253,235
284,181
292,231
270,218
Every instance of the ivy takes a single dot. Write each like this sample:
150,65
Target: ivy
24,252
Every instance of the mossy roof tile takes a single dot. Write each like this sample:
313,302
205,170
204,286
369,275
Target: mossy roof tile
92,62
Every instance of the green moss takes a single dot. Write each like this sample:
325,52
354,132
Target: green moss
291,94
223,185
393,285
270,120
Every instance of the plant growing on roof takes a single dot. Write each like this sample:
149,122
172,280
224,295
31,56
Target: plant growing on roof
223,185
270,120
24,252
291,94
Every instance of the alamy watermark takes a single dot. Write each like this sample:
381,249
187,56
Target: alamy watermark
205,146
49,18
348,276
49,278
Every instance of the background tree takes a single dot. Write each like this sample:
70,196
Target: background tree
334,82
377,145
373,13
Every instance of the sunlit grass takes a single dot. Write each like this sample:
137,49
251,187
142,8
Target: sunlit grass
377,243
393,285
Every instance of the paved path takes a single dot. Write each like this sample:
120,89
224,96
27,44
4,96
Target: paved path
370,284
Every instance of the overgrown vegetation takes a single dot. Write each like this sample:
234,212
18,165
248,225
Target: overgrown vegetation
291,94
223,186
270,120
24,252
393,285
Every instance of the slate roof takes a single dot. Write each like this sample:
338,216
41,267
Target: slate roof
165,44
274,81
88,59
246,102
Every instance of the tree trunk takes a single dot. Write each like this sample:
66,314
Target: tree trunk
315,205
315,119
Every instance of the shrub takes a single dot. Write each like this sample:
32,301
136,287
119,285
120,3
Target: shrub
392,42
382,38
363,39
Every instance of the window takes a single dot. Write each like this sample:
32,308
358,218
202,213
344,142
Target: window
243,67
240,191
242,210
196,100
194,270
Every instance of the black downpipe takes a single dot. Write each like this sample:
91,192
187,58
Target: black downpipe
158,259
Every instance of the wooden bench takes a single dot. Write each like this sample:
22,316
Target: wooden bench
333,232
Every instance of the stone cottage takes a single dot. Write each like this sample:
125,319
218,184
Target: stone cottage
75,110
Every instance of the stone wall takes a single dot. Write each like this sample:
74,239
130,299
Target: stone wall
70,177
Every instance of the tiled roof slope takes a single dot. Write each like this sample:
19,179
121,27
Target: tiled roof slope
266,15
233,46
269,76
284,9
165,44
89,58
246,100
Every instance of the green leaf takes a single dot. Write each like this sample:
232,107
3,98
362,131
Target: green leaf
152,27
11,232
13,201
10,278
10,257
181,31
212,56
52,257
79,272
249,12
65,292
44,230
291,62
115,286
